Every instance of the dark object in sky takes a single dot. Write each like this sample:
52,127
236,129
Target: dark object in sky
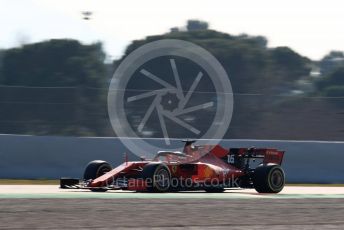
87,15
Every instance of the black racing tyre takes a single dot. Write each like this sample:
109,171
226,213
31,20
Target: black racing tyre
95,169
269,178
157,177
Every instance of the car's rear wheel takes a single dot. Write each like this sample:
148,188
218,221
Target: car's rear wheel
269,178
157,177
95,169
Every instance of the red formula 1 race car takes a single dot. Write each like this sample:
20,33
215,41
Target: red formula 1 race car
207,167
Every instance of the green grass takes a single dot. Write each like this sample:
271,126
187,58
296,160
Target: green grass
28,182
317,185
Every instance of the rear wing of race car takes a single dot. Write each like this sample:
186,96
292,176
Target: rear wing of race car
240,156
269,155
243,157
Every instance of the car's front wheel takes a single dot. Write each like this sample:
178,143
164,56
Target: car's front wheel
95,169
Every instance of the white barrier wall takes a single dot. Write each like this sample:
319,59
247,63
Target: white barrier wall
53,157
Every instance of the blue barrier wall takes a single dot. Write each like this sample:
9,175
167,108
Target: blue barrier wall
52,157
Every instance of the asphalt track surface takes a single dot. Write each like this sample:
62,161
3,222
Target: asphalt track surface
47,207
